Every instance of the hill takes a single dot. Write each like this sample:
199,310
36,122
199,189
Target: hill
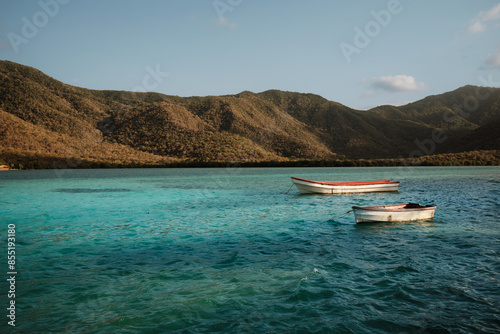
46,123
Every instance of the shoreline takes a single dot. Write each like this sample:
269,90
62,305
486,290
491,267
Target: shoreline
267,164
27,161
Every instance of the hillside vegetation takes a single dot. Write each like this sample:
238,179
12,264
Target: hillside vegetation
48,124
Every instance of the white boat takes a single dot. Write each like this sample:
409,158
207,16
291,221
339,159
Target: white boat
317,187
393,213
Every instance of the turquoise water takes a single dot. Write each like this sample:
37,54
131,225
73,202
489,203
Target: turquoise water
228,250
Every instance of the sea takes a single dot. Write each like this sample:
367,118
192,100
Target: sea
240,250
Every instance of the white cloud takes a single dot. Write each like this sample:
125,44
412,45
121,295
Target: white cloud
493,60
477,27
478,23
396,83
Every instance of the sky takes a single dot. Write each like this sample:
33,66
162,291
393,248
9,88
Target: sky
358,53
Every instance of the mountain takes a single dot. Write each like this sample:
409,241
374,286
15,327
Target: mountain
53,124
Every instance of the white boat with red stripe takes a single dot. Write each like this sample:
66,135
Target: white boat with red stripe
318,187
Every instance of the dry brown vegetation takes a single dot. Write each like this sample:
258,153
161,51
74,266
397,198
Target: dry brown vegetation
48,124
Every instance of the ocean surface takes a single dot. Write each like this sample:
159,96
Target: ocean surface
236,250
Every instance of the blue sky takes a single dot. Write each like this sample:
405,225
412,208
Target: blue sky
359,53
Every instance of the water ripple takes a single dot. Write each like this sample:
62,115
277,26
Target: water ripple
150,255
84,190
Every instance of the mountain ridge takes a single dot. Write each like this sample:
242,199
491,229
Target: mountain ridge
57,119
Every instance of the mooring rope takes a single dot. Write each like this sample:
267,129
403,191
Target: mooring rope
289,189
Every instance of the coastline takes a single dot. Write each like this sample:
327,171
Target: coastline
29,164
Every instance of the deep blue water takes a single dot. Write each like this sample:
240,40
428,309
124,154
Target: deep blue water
228,250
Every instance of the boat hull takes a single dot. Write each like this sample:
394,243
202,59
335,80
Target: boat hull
393,213
315,187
